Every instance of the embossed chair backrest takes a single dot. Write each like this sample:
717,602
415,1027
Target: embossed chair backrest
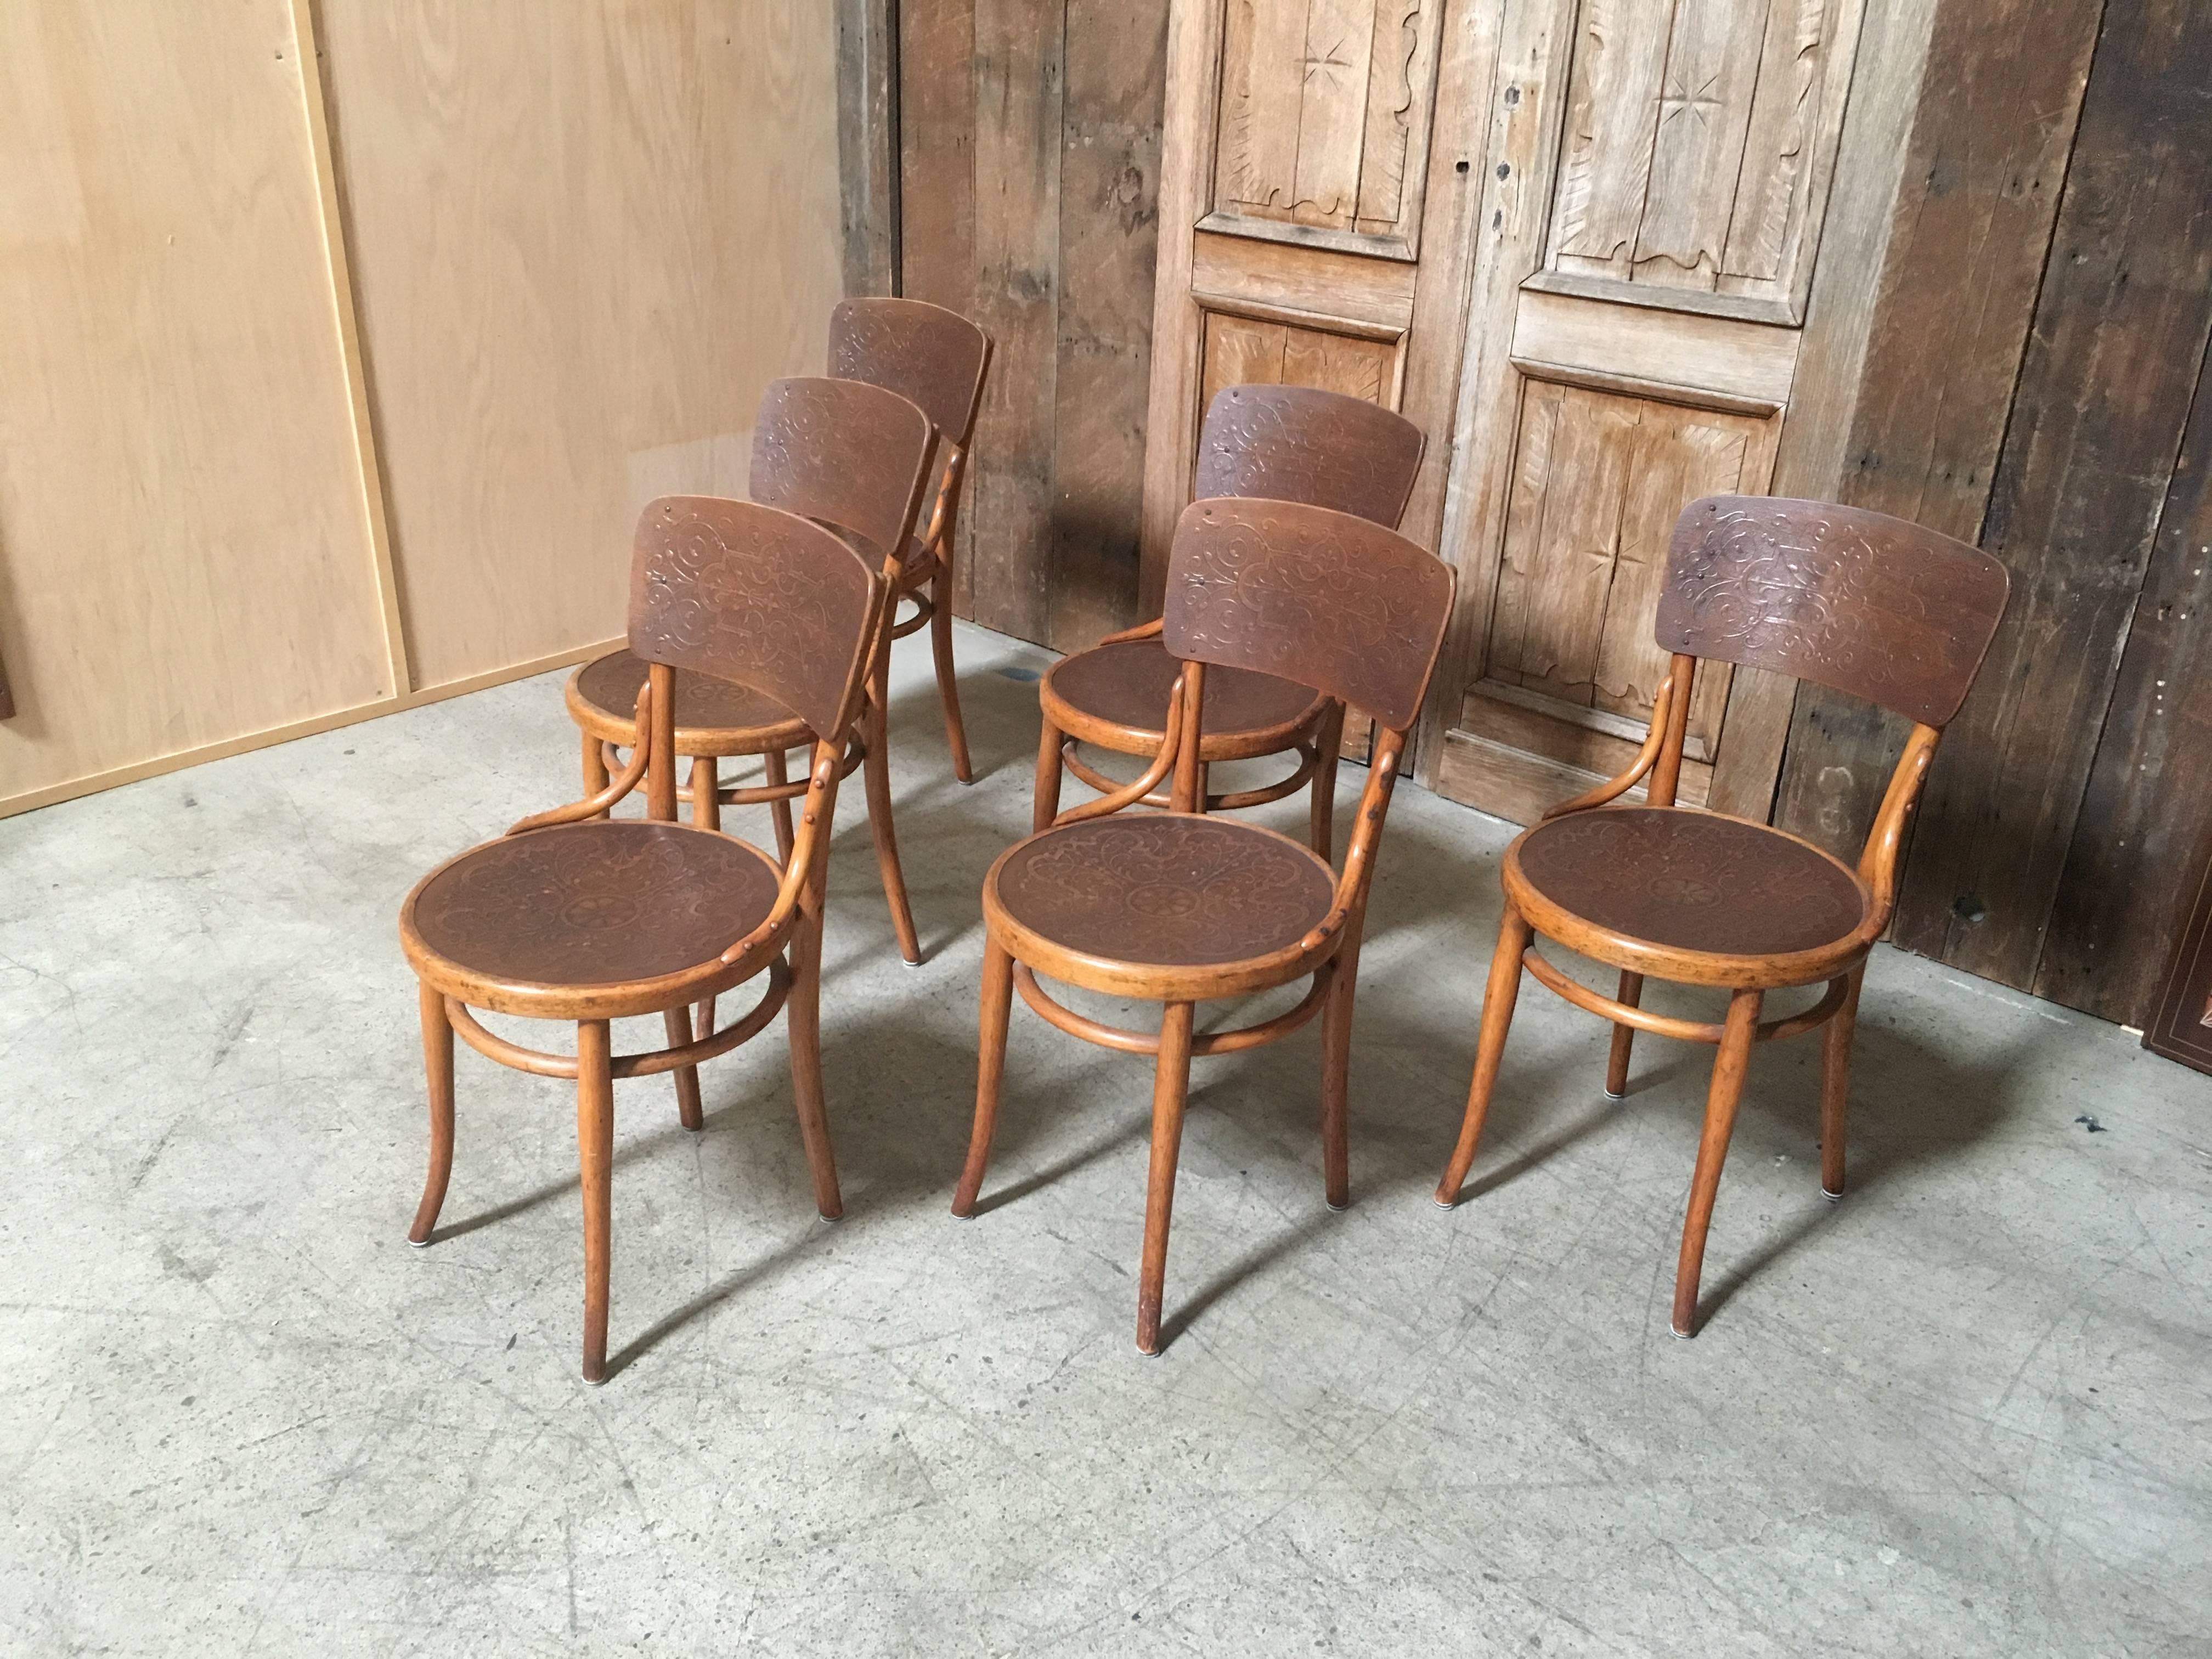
754,595
1292,443
845,451
933,357
1330,600
1866,604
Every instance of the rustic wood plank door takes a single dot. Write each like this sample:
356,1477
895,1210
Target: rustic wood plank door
1317,196
1656,181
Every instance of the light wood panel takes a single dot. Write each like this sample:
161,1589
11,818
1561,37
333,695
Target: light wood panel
584,239
1699,141
184,557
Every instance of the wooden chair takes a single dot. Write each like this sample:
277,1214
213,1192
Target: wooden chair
574,916
1867,604
1180,908
856,458
939,360
1285,443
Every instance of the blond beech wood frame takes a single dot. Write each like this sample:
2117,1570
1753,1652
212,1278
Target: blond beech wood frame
1841,963
1016,957
785,946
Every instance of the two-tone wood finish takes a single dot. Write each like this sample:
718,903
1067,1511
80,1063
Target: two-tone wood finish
574,915
858,458
1180,907
1280,443
1863,604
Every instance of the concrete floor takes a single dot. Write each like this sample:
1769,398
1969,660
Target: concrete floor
1965,1411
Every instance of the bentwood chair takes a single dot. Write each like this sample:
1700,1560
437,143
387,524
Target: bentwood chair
1182,907
1285,443
939,360
855,457
1863,604
574,916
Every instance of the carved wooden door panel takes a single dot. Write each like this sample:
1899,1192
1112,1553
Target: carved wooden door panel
1317,192
1655,178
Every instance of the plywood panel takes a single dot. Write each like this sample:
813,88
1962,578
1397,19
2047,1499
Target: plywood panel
183,559
585,238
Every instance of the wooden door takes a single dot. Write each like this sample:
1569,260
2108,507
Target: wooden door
1317,192
1658,176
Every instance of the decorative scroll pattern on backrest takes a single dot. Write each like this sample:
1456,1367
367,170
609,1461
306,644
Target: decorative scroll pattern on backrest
846,451
930,356
1292,443
1327,600
755,595
1867,603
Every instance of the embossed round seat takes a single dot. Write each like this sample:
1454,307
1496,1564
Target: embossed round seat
1174,890
1117,693
713,717
1686,880
601,903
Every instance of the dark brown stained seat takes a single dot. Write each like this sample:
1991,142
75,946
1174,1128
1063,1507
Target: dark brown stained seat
1868,604
1279,443
1181,907
1177,889
610,687
1693,881
1128,683
595,904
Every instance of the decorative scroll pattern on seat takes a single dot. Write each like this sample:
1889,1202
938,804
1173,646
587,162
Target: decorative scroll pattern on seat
1692,881
595,904
754,595
1320,598
1870,604
1170,889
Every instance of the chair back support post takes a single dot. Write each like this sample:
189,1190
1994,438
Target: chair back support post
1187,792
660,744
1667,771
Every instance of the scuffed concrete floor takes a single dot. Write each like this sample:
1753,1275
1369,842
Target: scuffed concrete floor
1966,1411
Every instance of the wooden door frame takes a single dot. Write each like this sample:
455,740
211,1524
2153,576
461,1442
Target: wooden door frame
1429,328
868,145
1518,170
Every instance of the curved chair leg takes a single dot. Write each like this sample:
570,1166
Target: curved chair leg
677,1022
1170,1085
595,1146
877,767
1624,1038
948,677
595,768
779,812
804,1005
1045,805
1328,748
990,1071
1336,1071
438,1062
1836,1086
1737,1036
1498,999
